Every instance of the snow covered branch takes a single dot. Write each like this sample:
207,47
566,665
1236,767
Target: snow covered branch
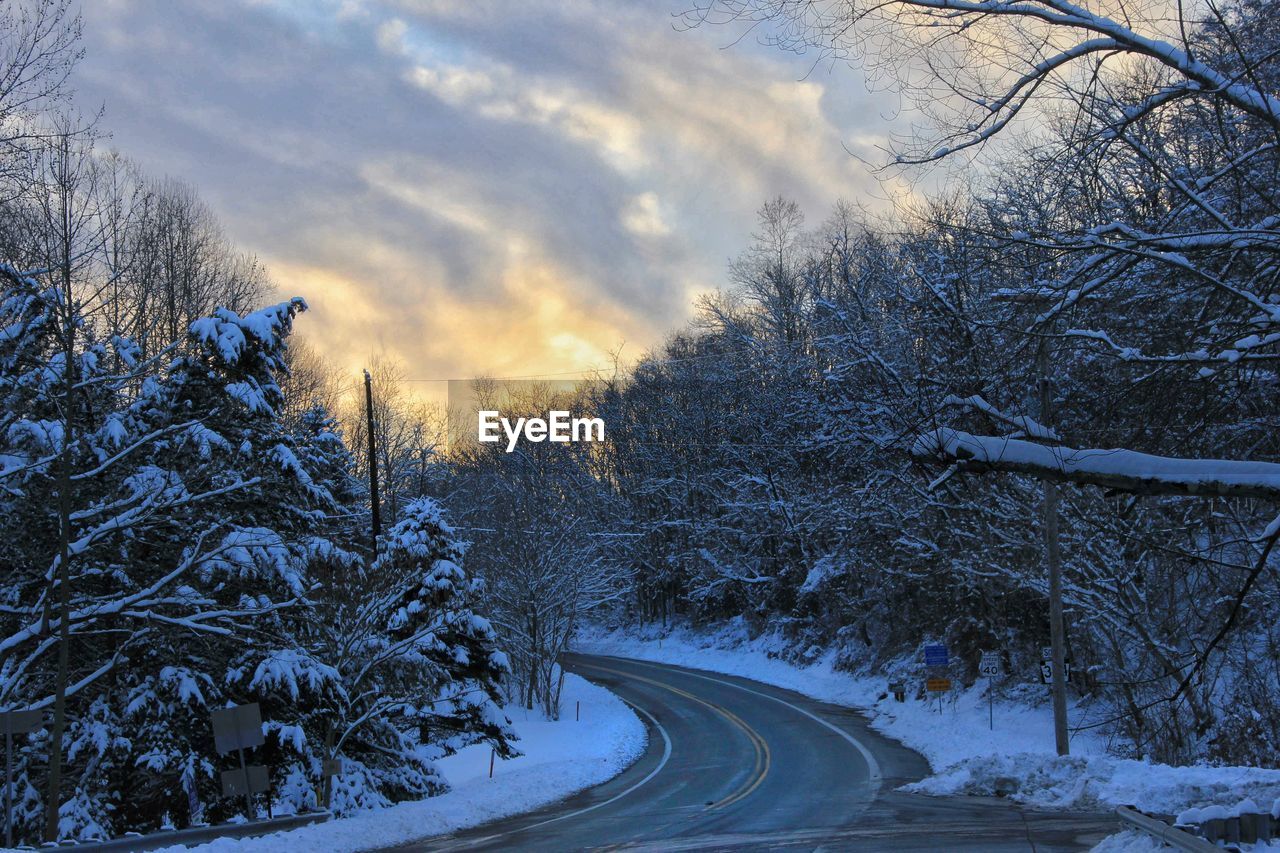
1121,470
1028,426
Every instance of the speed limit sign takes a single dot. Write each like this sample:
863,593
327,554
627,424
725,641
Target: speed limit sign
990,665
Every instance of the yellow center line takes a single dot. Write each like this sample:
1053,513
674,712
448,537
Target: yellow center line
763,757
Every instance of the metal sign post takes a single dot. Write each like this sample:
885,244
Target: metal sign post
936,658
249,811
990,667
938,686
235,730
14,723
330,767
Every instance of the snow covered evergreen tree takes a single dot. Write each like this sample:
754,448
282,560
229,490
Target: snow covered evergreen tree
208,543
390,670
170,556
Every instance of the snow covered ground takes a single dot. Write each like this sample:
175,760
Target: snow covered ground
1017,759
1134,841
559,759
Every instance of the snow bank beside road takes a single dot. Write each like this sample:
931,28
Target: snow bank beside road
1017,760
1067,781
559,759
960,732
1136,841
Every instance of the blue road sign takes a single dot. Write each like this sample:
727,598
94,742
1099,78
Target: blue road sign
935,654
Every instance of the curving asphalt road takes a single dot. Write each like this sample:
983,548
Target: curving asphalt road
733,764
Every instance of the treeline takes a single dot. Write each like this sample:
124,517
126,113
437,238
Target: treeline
849,445
182,527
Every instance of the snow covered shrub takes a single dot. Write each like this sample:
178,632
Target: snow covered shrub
1247,730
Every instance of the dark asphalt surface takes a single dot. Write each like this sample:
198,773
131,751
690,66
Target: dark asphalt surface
733,764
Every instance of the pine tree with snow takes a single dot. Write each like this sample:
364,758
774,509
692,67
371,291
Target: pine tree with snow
181,538
391,671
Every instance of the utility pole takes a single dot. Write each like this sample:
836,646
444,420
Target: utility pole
63,575
1053,557
375,504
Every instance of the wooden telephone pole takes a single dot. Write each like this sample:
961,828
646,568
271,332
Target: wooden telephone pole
65,188
1052,550
1053,557
374,502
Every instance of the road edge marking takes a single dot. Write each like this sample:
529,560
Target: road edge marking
666,755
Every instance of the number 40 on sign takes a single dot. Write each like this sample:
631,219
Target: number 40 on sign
989,667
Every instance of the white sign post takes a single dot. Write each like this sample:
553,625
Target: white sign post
990,667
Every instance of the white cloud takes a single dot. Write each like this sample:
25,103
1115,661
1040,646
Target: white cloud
500,93
454,85
643,216
390,36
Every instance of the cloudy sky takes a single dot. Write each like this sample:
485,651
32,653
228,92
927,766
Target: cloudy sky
501,187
